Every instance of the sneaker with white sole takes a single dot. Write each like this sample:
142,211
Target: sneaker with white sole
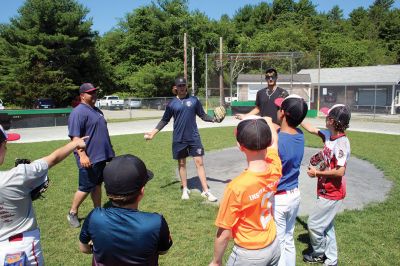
209,196
73,219
185,193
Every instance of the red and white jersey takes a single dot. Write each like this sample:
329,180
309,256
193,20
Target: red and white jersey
336,152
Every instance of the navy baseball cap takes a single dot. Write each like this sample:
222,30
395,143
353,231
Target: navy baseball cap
339,112
125,174
254,133
86,87
180,81
8,137
294,106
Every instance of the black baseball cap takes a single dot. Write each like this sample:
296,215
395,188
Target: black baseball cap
271,69
86,87
294,106
180,81
8,137
339,112
254,133
125,174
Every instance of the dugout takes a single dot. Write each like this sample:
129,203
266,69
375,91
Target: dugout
30,118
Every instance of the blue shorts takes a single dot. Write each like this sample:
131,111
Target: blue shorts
182,150
89,178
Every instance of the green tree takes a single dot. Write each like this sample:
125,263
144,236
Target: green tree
47,51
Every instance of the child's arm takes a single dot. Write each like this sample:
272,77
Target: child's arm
332,173
310,128
220,244
274,134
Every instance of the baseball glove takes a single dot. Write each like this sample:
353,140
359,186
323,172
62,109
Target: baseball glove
219,114
38,191
284,94
317,160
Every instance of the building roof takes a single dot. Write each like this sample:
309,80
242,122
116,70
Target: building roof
282,78
381,74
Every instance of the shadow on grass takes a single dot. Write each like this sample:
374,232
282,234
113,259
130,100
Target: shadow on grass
170,184
304,238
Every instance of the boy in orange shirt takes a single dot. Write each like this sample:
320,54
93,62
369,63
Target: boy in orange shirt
245,213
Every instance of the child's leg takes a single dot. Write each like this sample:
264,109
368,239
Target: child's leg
331,251
319,221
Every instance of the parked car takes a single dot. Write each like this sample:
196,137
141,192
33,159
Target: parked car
44,103
110,102
132,103
1,105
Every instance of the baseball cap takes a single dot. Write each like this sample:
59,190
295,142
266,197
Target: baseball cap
339,112
253,133
294,106
180,81
271,69
86,87
125,174
9,137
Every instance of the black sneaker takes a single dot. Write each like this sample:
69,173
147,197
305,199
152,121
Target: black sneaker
310,258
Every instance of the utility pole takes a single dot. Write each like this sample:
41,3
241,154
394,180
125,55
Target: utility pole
185,57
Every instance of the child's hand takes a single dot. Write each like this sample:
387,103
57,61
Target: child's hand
312,171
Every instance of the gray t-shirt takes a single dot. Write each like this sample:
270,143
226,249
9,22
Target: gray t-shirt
16,210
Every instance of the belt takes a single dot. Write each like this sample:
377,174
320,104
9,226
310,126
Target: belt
282,192
17,237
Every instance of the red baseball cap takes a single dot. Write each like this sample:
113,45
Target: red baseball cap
9,137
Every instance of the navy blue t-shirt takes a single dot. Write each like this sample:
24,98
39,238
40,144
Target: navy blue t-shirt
291,151
184,112
125,236
85,120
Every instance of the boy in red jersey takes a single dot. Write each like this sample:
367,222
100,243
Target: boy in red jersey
331,188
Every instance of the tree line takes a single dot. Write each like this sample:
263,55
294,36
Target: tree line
50,48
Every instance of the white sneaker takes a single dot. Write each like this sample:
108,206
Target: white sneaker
209,196
185,193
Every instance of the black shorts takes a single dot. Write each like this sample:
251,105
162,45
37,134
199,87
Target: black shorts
182,150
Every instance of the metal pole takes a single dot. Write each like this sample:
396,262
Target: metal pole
184,56
192,71
319,78
206,82
231,76
392,111
221,75
376,87
291,73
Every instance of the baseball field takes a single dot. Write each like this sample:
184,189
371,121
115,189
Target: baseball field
366,237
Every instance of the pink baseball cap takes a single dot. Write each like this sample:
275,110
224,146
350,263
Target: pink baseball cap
8,137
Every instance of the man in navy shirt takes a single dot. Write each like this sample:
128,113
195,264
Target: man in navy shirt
87,120
123,235
186,138
265,98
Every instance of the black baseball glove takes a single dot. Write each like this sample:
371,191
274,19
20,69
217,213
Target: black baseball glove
38,191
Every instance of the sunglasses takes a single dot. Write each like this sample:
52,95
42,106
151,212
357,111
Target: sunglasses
270,77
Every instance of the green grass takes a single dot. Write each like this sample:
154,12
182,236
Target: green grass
367,237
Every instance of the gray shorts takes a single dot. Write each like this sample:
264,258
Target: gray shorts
257,257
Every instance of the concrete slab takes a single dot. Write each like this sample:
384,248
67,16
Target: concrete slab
365,183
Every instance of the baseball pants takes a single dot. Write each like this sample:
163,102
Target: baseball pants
286,207
28,242
322,231
257,257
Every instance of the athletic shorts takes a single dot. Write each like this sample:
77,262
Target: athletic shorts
182,150
89,178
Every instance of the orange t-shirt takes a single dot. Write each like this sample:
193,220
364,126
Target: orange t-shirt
246,208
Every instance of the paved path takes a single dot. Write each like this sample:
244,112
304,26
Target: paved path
365,183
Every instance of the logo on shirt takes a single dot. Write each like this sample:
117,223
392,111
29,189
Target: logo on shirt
341,154
188,103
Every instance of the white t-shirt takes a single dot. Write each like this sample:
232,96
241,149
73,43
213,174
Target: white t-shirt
16,210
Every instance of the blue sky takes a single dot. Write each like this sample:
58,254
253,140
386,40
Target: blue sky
106,13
